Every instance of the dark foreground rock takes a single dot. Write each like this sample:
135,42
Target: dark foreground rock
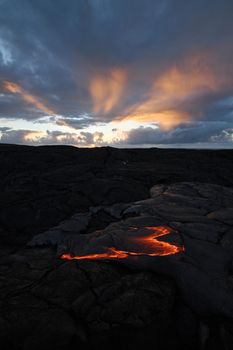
53,304
41,186
181,301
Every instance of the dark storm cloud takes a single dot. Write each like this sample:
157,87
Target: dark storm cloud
13,136
92,61
4,129
198,132
76,122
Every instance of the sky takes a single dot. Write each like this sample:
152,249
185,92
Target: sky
122,73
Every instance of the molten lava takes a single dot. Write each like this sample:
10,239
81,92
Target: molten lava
146,245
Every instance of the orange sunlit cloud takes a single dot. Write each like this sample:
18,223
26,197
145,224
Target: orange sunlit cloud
167,119
33,135
30,99
171,90
106,90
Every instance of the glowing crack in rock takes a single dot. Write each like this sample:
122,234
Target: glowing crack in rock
147,245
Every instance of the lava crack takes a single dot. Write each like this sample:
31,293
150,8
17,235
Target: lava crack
146,244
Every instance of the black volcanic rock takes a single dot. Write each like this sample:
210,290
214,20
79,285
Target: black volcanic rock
53,304
41,186
200,214
55,198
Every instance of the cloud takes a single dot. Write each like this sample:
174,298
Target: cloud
35,138
4,129
165,63
14,88
75,122
193,133
5,53
106,90
18,136
179,95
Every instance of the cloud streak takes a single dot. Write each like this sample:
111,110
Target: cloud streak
162,64
14,88
106,90
171,99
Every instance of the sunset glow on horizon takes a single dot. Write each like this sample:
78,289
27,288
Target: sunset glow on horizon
117,76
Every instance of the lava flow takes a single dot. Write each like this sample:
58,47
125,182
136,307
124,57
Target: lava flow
147,245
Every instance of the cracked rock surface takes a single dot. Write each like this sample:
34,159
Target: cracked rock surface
49,303
65,200
52,303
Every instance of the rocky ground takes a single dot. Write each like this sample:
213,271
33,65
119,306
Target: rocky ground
53,201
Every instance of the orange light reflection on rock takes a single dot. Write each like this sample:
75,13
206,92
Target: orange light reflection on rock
148,245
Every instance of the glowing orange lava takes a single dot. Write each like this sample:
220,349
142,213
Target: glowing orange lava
146,245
